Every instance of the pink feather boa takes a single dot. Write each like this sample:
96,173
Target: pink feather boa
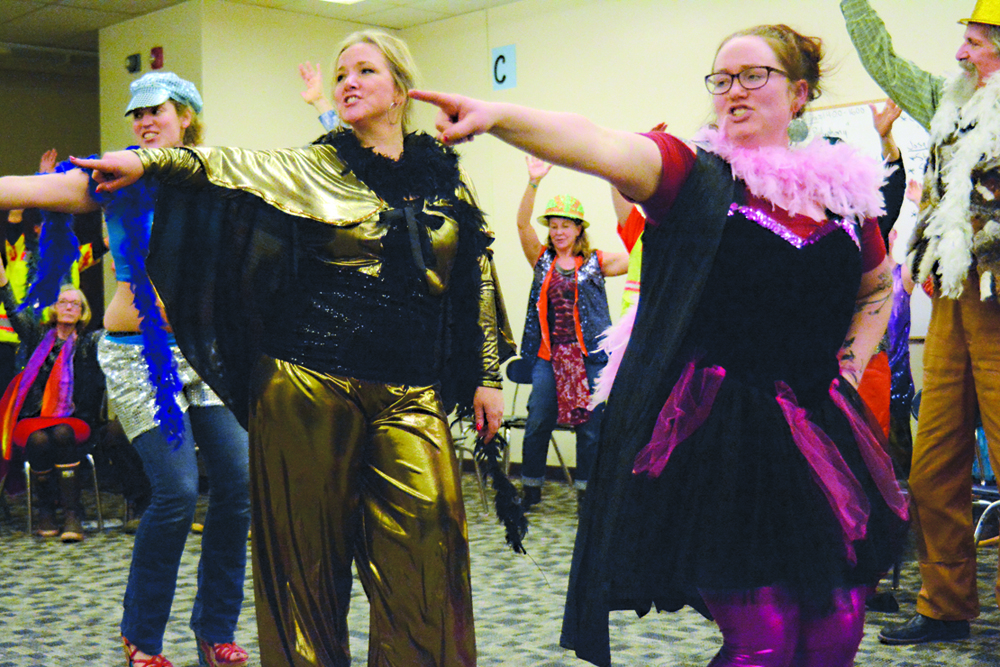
835,176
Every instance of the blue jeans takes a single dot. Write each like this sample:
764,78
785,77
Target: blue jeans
542,413
165,525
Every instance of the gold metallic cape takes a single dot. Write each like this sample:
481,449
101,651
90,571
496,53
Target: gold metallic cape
223,253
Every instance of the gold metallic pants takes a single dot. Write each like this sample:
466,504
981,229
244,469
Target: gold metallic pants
961,374
342,469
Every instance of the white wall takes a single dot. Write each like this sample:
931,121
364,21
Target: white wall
627,64
250,79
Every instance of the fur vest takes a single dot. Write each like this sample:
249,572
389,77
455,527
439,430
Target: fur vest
957,228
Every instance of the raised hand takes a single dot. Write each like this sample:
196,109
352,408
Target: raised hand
113,171
884,119
47,164
313,78
537,169
459,118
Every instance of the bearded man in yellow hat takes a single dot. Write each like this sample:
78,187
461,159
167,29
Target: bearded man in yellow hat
956,247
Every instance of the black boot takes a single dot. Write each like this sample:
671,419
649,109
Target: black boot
46,494
532,495
920,629
69,492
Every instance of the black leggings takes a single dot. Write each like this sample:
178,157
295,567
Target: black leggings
52,446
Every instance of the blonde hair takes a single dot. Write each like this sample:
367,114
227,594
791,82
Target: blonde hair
49,315
193,132
397,54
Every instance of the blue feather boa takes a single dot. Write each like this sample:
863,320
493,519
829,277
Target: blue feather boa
132,207
58,248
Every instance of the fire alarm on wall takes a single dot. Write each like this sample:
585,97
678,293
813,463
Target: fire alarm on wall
156,57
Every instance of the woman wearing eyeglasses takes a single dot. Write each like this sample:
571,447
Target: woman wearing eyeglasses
49,407
737,472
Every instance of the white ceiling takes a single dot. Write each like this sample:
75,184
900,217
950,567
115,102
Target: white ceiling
59,35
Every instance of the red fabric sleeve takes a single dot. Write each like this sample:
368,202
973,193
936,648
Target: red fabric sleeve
678,160
872,245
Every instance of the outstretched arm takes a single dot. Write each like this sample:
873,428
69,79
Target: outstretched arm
113,171
628,161
532,247
64,192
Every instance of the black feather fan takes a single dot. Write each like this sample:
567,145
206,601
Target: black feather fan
508,506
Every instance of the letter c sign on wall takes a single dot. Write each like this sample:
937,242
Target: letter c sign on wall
504,67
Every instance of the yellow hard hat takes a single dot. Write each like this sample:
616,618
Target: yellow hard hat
986,11
563,206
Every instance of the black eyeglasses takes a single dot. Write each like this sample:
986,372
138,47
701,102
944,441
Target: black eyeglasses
751,78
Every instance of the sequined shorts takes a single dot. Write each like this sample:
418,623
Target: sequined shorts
131,395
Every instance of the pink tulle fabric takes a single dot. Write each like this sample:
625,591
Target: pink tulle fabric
829,470
690,402
876,459
687,408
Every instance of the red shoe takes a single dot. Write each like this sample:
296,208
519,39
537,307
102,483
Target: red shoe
132,661
221,655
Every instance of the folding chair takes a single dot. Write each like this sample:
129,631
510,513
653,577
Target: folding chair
984,490
84,440
465,443
519,372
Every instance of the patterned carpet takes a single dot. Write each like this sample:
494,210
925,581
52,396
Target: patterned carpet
60,603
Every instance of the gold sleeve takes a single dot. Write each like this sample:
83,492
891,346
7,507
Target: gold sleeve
490,353
310,182
498,339
177,166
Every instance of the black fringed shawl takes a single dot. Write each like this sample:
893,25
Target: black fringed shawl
224,260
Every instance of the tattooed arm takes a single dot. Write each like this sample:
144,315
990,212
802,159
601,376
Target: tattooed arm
871,315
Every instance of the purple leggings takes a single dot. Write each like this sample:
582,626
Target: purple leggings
766,628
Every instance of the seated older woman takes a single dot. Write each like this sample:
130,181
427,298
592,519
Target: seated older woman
49,407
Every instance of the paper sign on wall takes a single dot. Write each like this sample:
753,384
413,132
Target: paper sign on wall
504,67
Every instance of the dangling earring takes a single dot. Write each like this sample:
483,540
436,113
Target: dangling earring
798,130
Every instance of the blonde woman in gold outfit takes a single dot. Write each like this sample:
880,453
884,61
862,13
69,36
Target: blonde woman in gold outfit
342,299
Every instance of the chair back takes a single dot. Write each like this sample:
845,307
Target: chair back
519,370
